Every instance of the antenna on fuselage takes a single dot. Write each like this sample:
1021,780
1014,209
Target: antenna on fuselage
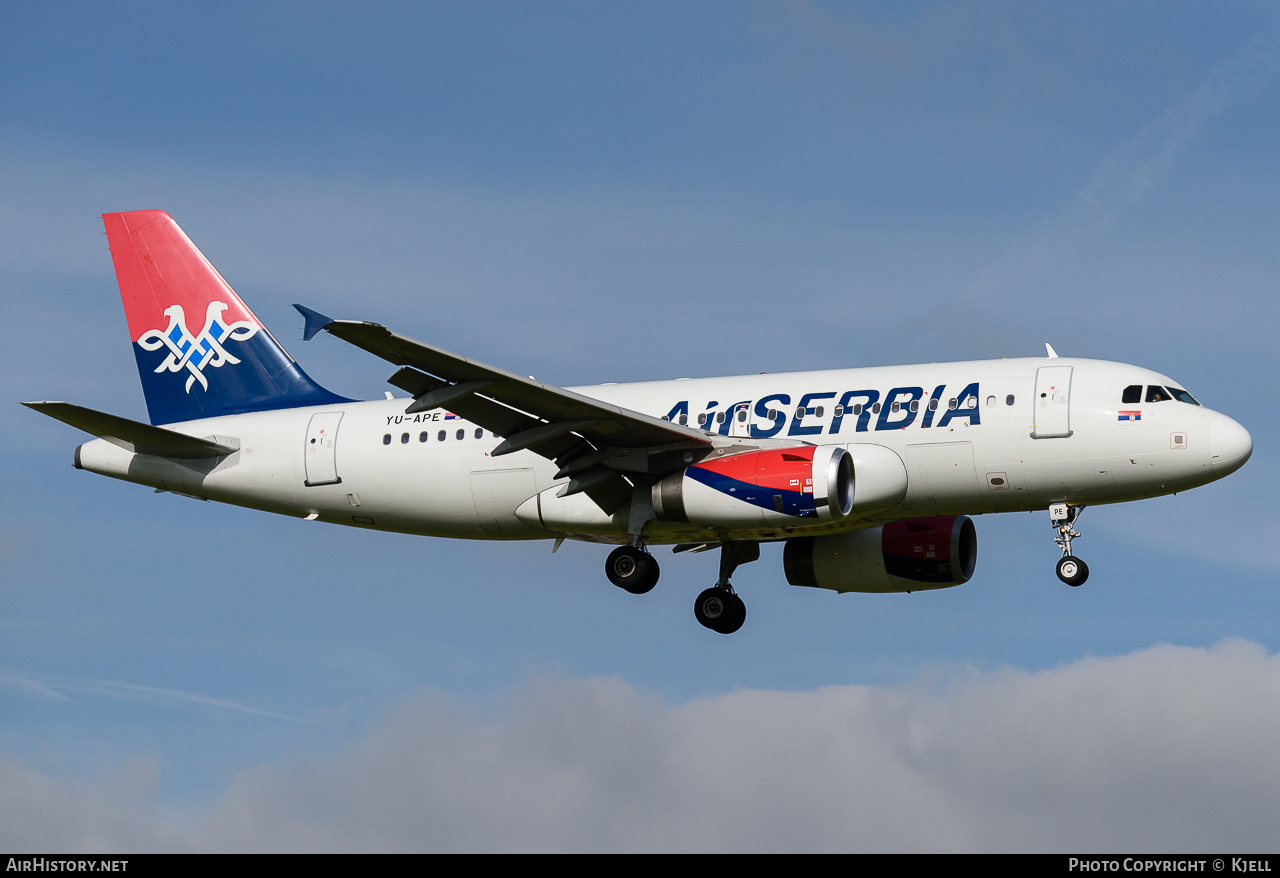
1053,355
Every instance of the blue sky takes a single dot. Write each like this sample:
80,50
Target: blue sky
595,193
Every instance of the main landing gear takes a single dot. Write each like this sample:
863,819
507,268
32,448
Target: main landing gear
719,607
1071,569
632,569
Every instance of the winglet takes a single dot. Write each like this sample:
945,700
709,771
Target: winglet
315,321
1052,354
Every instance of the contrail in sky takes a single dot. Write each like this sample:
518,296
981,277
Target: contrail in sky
54,687
1133,169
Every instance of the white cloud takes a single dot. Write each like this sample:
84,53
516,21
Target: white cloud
113,813
1169,748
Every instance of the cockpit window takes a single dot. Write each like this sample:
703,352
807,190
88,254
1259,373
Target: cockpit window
1156,393
1182,395
1132,394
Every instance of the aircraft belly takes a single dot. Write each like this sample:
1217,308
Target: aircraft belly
497,493
941,475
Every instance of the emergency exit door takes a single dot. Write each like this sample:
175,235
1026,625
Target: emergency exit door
1052,403
741,426
322,448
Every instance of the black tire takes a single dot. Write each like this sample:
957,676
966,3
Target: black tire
720,610
739,616
632,569
1073,571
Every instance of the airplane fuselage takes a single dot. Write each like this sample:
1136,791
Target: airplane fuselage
974,437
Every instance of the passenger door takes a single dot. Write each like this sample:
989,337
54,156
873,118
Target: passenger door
1052,401
322,448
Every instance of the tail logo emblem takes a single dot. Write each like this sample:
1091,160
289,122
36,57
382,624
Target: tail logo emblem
193,353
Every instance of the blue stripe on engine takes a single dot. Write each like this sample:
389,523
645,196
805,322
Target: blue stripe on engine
795,503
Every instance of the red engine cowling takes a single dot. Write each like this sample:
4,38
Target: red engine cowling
910,555
771,487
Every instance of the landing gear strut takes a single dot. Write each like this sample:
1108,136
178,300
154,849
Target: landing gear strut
632,569
1071,569
719,607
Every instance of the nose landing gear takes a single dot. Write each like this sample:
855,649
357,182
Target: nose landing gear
632,569
719,607
1071,569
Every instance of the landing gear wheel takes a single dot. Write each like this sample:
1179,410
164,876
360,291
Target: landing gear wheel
1072,570
720,610
632,569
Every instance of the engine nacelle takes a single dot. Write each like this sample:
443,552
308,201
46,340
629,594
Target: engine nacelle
771,487
880,477
910,555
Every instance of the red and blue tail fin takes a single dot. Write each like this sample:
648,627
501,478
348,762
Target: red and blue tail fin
201,352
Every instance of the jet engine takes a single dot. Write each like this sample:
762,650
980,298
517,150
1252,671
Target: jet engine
770,487
910,555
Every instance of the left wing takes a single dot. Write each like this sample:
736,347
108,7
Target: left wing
594,442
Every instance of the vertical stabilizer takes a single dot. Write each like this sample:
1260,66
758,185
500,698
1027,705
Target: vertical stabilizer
201,352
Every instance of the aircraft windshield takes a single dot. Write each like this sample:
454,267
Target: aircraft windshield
1182,396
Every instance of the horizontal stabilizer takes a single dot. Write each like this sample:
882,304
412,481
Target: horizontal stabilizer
134,435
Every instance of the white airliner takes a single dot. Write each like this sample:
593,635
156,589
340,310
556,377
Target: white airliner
869,476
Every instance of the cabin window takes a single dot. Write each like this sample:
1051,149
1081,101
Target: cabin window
440,436
875,409
479,433
951,403
1008,400
386,440
684,419
424,436
915,405
1182,396
404,438
895,407
719,417
933,405
857,409
817,413
1156,393
702,419
462,433
1132,394
838,411
742,415
991,401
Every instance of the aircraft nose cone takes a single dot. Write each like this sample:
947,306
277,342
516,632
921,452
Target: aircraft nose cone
1230,445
